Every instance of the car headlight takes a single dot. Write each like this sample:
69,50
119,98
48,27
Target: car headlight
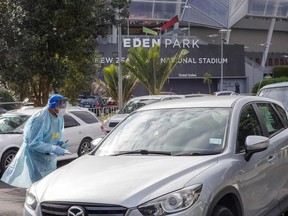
31,200
173,202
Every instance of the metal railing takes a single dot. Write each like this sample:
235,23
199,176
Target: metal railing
104,111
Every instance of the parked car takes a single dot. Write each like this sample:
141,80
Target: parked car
81,127
167,93
277,91
222,93
2,110
196,95
110,106
92,102
132,105
202,156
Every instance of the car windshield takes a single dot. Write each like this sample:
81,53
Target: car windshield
189,131
280,94
89,100
10,123
135,104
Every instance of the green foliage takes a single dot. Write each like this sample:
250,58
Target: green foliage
207,79
45,43
280,71
146,65
264,82
129,82
6,96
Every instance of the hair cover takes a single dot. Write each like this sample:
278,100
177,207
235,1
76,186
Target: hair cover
56,100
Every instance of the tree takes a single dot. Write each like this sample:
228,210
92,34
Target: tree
146,65
207,79
44,44
6,96
129,82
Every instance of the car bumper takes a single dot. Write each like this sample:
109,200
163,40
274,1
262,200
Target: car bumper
199,209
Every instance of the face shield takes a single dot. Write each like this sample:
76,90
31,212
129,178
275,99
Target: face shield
59,103
62,106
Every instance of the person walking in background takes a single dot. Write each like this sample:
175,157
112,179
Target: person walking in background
42,143
237,87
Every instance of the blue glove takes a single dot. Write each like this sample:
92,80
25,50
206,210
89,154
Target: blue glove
62,144
58,150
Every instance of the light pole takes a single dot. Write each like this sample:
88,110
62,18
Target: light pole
222,31
120,101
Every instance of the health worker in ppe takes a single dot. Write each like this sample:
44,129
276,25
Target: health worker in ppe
42,143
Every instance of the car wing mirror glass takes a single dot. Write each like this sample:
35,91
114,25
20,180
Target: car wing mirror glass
255,144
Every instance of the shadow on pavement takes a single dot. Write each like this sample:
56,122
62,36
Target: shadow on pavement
11,200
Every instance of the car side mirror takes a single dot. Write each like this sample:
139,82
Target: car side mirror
255,144
96,142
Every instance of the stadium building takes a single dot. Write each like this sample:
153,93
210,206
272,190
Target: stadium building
236,41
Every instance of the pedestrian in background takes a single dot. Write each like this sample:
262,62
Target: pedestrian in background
42,143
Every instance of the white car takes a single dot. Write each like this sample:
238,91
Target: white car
224,93
81,127
277,91
134,104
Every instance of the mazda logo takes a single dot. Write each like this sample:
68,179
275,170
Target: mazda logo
76,211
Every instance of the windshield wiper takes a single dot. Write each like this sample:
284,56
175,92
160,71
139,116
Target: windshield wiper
143,152
207,152
187,154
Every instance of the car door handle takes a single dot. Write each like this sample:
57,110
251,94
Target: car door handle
271,159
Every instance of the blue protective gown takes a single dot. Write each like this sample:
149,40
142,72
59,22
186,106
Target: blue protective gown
35,159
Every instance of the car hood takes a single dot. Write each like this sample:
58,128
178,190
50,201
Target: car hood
121,180
118,117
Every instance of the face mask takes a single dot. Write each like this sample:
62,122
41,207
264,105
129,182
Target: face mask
61,112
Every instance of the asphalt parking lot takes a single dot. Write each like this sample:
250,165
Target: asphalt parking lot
12,198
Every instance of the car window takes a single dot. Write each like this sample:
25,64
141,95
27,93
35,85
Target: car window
136,104
86,116
12,123
282,113
101,101
89,100
69,121
272,122
93,100
248,125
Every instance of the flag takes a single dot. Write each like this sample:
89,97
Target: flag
149,31
170,23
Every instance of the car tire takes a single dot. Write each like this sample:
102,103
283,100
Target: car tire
6,159
85,146
222,211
